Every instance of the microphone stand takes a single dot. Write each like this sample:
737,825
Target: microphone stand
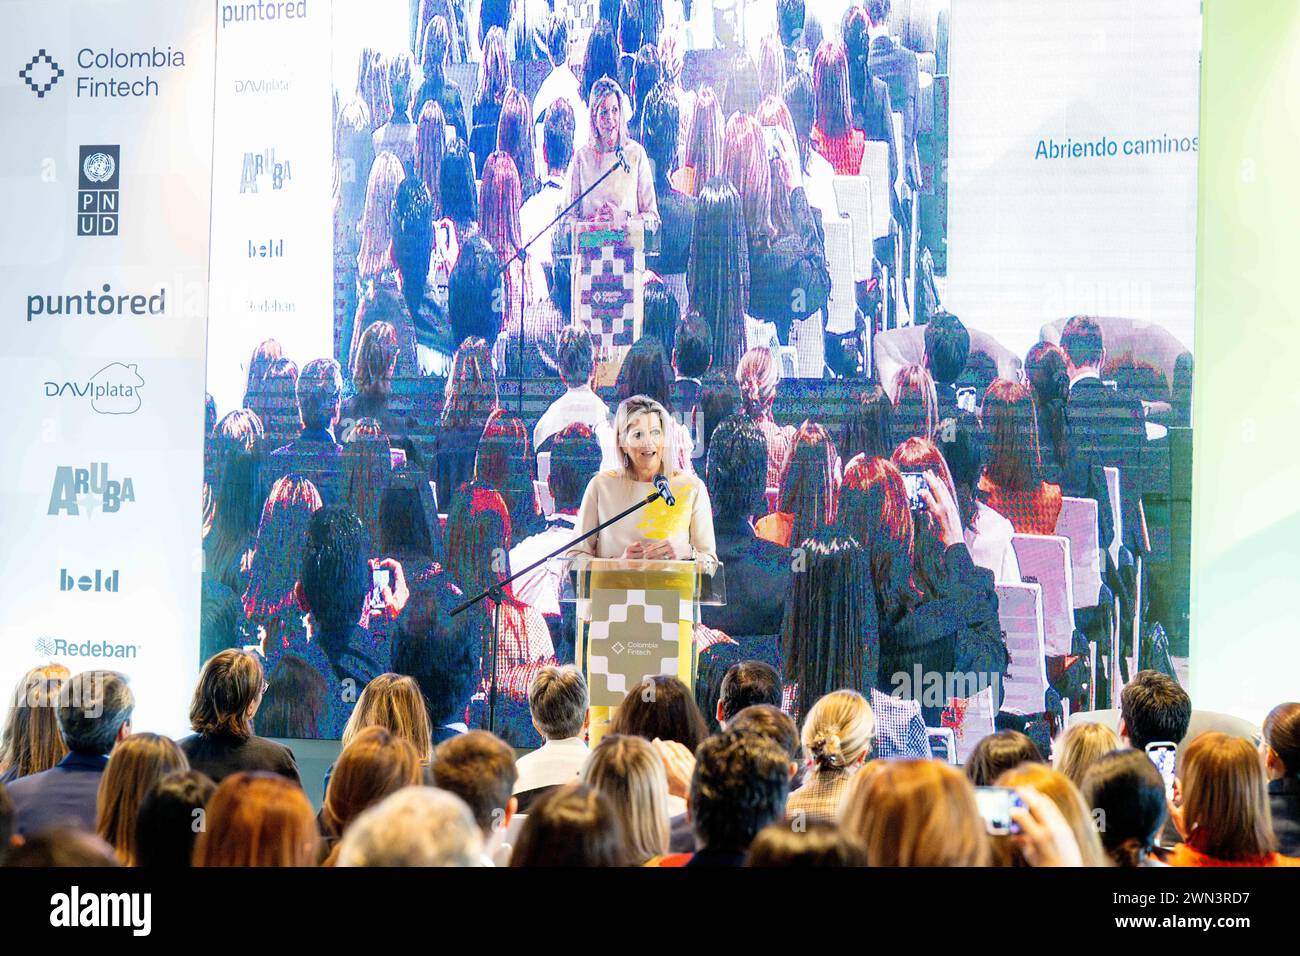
497,591
521,255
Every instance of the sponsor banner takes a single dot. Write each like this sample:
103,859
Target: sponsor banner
105,182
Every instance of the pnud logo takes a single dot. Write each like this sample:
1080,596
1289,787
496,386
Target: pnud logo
98,191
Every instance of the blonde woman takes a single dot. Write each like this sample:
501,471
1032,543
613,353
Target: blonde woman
628,772
1061,791
135,765
32,741
1080,747
838,737
394,703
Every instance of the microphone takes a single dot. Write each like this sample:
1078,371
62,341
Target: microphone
666,493
622,161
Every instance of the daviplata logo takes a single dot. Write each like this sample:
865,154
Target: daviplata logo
98,190
262,87
259,166
113,390
263,10
102,582
91,304
90,489
41,73
61,647
271,249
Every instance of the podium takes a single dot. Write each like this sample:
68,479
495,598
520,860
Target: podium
636,619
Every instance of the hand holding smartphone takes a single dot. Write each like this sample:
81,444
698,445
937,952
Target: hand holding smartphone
995,806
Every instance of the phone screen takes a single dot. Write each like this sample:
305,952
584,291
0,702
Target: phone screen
1164,755
379,579
995,805
914,481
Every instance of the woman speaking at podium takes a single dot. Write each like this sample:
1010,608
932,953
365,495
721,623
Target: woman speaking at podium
627,192
659,531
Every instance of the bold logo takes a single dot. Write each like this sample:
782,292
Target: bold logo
102,582
88,489
270,249
41,73
258,168
62,647
113,390
98,192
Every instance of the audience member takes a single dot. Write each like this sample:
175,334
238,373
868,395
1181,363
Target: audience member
1013,484
1153,708
833,132
947,347
270,602
62,847
470,399
258,819
757,374
1127,798
661,708
702,150
1061,791
869,429
558,702
1280,750
414,827
718,273
137,763
441,654
744,685
480,769
657,130
393,702
628,773
373,764
505,462
1080,747
809,489
960,442
916,403
573,826
819,843
997,753
538,213
32,742
164,826
839,734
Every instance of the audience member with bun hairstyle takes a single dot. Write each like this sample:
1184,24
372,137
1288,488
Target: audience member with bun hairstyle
839,734
1280,749
258,819
809,489
1013,484
1124,788
757,375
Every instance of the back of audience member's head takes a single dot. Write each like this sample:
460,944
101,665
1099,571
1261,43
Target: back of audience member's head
407,522
789,20
1082,342
717,268
416,826
1125,790
1061,791
575,459
558,701
929,554
739,786
393,702
413,212
1011,424
138,762
373,764
258,819
660,123
277,557
1080,747
1153,707
32,741
1226,812
438,652
693,351
456,184
646,72
557,134
916,402
335,575
574,825
768,720
295,699
808,488
264,356
717,404
61,847
703,147
839,732
915,813
869,429
661,707
831,83
629,773
745,684
745,164
375,361
165,829
1280,741
320,391
574,353
737,469
947,346
470,395
478,767
94,706
474,303
662,313
228,687
601,58
960,441
645,371
997,753
819,843
740,89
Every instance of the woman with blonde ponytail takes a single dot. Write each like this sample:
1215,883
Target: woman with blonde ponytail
839,735
757,375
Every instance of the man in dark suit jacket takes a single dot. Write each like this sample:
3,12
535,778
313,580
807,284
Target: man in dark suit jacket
947,347
320,397
692,357
757,571
94,714
897,66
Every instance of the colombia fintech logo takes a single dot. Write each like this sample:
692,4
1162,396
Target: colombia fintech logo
41,73
99,190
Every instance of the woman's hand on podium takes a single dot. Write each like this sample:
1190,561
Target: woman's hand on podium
666,550
679,765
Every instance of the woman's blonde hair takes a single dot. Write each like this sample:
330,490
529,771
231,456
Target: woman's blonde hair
627,771
258,819
1080,747
395,703
839,729
135,765
757,375
1057,787
1225,799
915,813
629,409
374,764
32,740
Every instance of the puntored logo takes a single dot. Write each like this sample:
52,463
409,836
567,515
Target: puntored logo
62,647
104,303
98,190
87,490
41,73
103,582
263,169
113,390
262,11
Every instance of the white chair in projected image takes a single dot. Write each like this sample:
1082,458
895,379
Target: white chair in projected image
875,172
1020,615
1078,523
1045,560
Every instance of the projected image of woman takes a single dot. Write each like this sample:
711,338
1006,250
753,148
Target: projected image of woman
628,192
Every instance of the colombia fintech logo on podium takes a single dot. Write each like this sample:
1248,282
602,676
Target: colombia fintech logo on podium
98,190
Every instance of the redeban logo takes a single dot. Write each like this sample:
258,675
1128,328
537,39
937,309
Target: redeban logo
62,647
113,390
131,910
